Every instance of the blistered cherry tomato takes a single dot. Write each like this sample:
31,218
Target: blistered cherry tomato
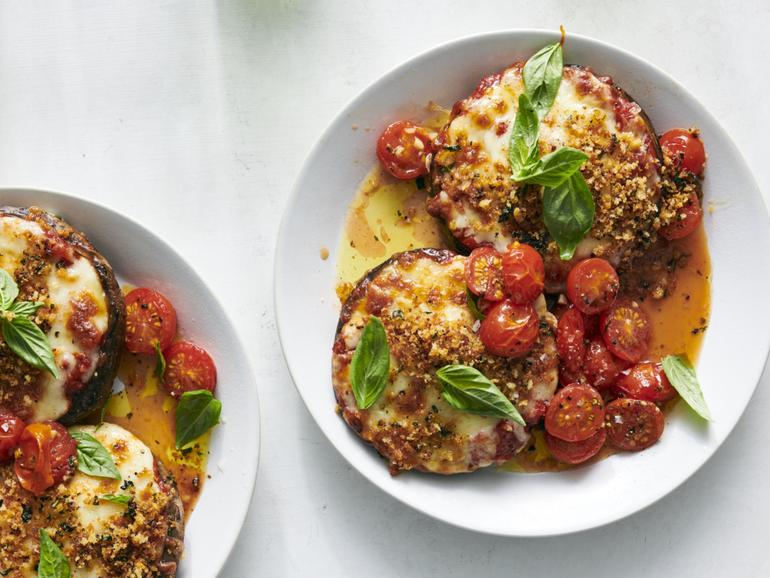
570,340
646,381
188,368
575,413
523,273
11,428
44,457
592,285
150,320
483,273
403,149
633,424
575,452
686,221
626,330
510,330
685,149
600,367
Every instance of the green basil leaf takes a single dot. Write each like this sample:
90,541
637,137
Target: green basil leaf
370,366
198,411
121,499
27,341
8,290
93,457
25,308
681,374
554,168
53,562
473,305
160,361
523,149
542,76
568,213
465,388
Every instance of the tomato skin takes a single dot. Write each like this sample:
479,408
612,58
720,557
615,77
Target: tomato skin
575,452
592,285
510,330
188,368
150,319
626,330
685,149
11,428
570,340
646,381
575,413
633,424
600,367
523,273
688,219
399,152
483,274
44,457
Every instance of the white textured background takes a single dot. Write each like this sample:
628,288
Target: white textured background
194,117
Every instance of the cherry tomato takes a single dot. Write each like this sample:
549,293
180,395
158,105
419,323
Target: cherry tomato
626,330
567,377
592,285
575,452
685,149
686,221
633,424
570,340
510,330
150,319
11,428
188,367
45,456
483,274
523,273
646,381
591,323
600,367
403,150
575,413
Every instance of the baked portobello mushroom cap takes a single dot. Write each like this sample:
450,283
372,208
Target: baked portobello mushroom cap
83,316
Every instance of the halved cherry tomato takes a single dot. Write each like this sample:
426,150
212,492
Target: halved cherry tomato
575,452
403,149
685,149
575,413
483,273
633,424
591,323
11,428
570,340
646,381
600,367
523,273
626,330
592,285
510,330
188,367
686,221
150,319
44,457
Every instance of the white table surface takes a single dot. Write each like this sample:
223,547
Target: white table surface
194,118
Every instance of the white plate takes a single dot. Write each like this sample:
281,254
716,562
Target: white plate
143,259
735,346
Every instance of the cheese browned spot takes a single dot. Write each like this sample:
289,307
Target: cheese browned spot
420,296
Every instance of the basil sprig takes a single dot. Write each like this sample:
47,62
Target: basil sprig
542,77
160,362
467,389
93,457
53,563
198,411
370,366
681,374
20,333
568,213
120,499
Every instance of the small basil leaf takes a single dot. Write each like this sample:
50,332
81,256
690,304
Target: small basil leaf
8,290
53,563
523,149
93,457
370,366
160,362
465,388
25,308
554,168
681,374
542,76
198,411
568,213
28,342
471,301
121,499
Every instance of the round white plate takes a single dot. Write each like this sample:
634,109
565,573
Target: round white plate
141,258
735,346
